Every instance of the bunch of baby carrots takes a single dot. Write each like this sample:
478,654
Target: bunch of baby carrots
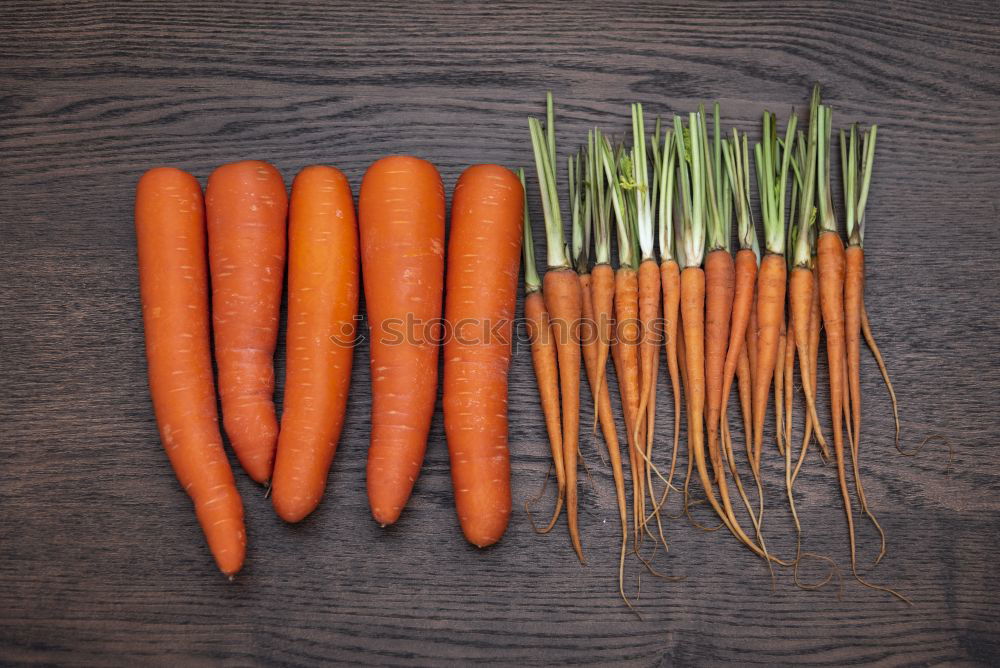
719,319
223,257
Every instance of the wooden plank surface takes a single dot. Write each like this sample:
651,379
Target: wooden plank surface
101,559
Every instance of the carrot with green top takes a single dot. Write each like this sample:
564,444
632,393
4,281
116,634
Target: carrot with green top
736,156
586,199
693,177
563,299
628,333
832,269
543,357
648,276
857,180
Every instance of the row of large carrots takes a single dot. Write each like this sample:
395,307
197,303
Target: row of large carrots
719,319
213,267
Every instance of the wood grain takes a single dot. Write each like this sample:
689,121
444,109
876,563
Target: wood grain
102,561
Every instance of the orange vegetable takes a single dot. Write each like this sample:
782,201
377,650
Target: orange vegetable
173,284
247,207
401,209
484,251
323,284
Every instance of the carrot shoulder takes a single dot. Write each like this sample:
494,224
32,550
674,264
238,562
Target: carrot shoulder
401,210
485,249
247,207
323,284
173,284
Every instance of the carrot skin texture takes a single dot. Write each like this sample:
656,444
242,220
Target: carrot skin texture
247,208
854,281
831,263
544,360
485,252
720,286
627,367
602,281
599,389
401,208
770,315
564,301
802,295
693,319
323,285
745,281
670,281
649,344
173,284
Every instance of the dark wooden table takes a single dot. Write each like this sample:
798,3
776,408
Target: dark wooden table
101,560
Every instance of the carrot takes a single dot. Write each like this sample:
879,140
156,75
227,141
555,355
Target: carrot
173,285
247,205
696,193
323,284
563,299
737,161
602,275
803,296
587,200
485,248
670,282
801,301
628,327
772,175
648,285
720,281
831,263
401,208
854,280
543,357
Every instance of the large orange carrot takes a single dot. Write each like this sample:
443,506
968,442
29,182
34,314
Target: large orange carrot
323,284
247,207
563,299
401,207
173,284
543,358
485,248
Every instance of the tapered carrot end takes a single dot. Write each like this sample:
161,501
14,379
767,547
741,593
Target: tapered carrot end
485,531
386,516
229,550
291,511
